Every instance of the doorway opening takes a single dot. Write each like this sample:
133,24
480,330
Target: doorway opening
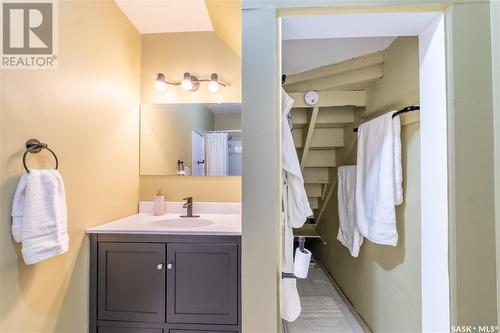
197,153
363,65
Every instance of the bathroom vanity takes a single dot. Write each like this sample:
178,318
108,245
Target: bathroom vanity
164,274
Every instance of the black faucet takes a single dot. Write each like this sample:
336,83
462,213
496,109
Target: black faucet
189,206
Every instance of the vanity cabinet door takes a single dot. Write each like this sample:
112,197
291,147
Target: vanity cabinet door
131,280
202,283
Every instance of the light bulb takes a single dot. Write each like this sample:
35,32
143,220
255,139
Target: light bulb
160,86
186,83
160,83
213,85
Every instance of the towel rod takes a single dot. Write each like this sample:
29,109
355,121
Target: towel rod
403,110
225,131
34,146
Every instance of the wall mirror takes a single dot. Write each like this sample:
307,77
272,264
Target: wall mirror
191,139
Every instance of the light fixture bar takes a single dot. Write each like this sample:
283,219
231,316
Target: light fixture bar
218,81
190,82
161,77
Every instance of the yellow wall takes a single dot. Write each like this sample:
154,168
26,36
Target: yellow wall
87,111
200,53
166,135
227,121
226,20
175,188
383,274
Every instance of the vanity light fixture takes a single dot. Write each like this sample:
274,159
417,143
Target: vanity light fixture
189,82
213,85
160,83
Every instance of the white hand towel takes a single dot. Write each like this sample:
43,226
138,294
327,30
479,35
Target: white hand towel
39,215
18,209
379,179
348,234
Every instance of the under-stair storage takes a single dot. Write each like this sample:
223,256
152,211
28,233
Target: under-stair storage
343,83
319,131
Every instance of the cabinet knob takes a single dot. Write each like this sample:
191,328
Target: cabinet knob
170,265
159,267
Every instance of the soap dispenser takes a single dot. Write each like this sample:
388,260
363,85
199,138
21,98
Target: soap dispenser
158,203
180,168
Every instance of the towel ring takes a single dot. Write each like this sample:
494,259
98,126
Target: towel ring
34,146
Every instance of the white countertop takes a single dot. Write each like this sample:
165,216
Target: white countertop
225,222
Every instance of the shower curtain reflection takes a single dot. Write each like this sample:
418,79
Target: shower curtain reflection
216,153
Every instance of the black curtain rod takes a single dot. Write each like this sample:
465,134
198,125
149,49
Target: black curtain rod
403,110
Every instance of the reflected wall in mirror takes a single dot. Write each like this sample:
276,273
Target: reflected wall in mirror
191,139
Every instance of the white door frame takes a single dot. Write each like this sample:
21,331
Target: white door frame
202,135
435,283
261,73
434,201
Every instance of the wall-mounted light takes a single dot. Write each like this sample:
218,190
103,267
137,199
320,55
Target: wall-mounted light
213,85
189,82
160,83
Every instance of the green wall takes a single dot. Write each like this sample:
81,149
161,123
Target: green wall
471,153
495,39
383,274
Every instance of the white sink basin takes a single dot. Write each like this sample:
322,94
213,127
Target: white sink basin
181,223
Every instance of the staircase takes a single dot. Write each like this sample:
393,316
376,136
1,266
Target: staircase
319,131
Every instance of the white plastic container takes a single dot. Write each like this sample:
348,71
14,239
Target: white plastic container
159,203
301,263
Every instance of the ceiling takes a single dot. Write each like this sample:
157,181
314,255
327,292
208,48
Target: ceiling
313,41
356,25
322,52
225,108
166,16
153,16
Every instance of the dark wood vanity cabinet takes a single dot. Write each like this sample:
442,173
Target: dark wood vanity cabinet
131,281
164,284
203,283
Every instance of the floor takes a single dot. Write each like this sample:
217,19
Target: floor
323,309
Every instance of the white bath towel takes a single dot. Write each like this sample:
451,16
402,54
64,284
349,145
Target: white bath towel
348,234
39,217
296,209
290,300
379,179
299,208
